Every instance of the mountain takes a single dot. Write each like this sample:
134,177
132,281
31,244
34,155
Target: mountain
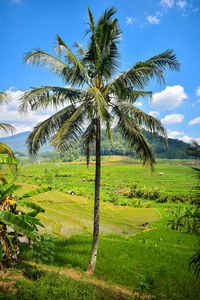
176,148
17,143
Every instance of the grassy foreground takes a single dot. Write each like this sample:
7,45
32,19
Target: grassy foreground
152,260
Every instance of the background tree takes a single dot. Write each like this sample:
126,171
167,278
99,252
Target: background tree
6,155
194,151
97,97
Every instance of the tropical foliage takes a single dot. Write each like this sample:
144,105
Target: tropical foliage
185,219
96,98
6,155
15,224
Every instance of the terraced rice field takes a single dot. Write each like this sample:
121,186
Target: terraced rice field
66,215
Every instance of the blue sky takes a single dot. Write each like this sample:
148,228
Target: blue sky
149,27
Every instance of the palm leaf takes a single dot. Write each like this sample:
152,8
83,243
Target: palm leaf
43,132
47,96
126,94
70,130
5,149
3,97
88,139
140,74
132,133
43,59
142,119
7,128
78,68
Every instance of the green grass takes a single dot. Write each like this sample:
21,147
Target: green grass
177,179
54,286
159,258
154,262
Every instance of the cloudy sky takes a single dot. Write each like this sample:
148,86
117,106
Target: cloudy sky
149,27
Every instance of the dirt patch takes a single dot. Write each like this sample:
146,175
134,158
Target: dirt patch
8,279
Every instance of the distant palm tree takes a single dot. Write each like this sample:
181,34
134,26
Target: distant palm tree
4,126
97,99
6,154
194,149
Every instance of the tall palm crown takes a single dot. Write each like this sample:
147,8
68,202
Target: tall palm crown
96,98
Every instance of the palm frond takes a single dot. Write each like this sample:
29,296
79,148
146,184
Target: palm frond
3,97
7,128
142,119
43,132
133,134
46,96
165,60
194,149
43,59
77,67
88,139
103,53
71,129
98,102
5,149
126,94
140,74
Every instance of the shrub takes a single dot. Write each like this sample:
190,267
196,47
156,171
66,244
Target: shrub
44,249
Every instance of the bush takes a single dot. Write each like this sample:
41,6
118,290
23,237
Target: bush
44,249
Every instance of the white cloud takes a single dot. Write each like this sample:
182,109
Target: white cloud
154,113
189,139
9,113
182,4
171,119
174,134
129,20
169,99
153,20
139,104
198,91
194,121
167,3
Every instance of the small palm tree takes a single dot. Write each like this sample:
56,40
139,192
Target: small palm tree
6,154
4,126
96,98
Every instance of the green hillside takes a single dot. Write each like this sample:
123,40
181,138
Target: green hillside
118,146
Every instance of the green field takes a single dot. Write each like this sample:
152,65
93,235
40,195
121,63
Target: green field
176,179
151,260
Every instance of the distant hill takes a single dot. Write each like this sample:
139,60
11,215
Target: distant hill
17,142
176,148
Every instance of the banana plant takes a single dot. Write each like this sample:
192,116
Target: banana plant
15,223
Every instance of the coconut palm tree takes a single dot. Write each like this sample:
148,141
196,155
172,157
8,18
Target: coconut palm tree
7,128
98,95
6,154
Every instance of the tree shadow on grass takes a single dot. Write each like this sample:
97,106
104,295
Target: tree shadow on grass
73,251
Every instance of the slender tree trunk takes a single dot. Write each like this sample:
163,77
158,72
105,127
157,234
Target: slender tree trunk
93,256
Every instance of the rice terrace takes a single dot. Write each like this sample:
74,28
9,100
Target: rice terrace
99,166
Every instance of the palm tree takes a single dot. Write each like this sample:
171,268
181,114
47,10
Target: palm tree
6,154
96,98
7,128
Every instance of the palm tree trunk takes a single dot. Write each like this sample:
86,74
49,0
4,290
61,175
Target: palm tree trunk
93,256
